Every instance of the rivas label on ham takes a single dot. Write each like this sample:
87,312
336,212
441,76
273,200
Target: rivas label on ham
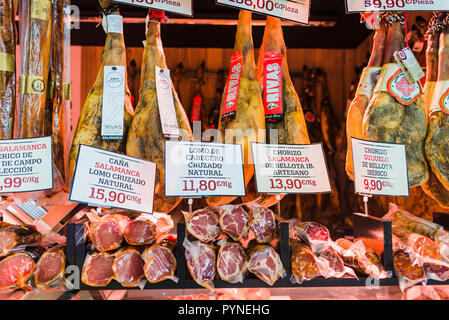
290,168
26,165
183,7
112,121
272,86
231,94
379,168
198,169
294,10
108,179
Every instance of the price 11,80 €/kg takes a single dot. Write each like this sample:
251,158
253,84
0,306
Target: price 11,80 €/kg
112,197
205,185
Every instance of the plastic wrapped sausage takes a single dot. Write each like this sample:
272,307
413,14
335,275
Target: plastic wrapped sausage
419,245
314,234
303,262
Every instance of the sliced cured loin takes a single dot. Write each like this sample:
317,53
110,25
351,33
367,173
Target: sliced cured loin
249,116
146,139
97,269
50,269
140,232
106,233
436,147
354,119
203,224
266,264
88,130
234,221
7,68
388,120
35,39
303,262
14,235
292,129
314,234
16,269
160,263
201,262
128,267
263,223
232,262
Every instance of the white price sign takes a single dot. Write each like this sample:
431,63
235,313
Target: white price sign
290,168
396,5
184,7
197,169
294,10
379,168
26,165
108,179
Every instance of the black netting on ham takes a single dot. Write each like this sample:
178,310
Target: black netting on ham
201,259
203,224
128,267
263,224
97,269
232,262
160,263
234,221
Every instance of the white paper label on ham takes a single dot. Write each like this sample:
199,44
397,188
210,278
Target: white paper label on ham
26,165
112,123
290,168
396,5
379,168
198,169
440,101
108,179
297,10
165,100
183,7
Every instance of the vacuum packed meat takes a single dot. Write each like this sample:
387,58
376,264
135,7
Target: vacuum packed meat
266,264
128,267
201,262
314,234
263,223
232,262
97,269
234,221
106,233
146,139
160,263
15,235
50,269
203,224
140,232
303,262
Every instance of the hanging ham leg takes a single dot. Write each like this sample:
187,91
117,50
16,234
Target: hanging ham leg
88,131
146,139
249,117
7,68
388,120
364,92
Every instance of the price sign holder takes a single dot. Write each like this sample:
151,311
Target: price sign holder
186,6
357,6
376,234
284,9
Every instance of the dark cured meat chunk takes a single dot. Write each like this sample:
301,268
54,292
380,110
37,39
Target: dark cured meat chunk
203,224
314,234
436,270
13,236
200,258
140,232
15,270
405,268
266,264
232,262
304,266
128,267
97,269
160,263
263,224
234,221
50,267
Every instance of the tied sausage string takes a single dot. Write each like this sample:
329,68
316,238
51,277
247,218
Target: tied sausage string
446,21
390,17
112,9
437,23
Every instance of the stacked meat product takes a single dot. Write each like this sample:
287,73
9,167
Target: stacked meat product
26,262
218,244
129,250
421,248
314,254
